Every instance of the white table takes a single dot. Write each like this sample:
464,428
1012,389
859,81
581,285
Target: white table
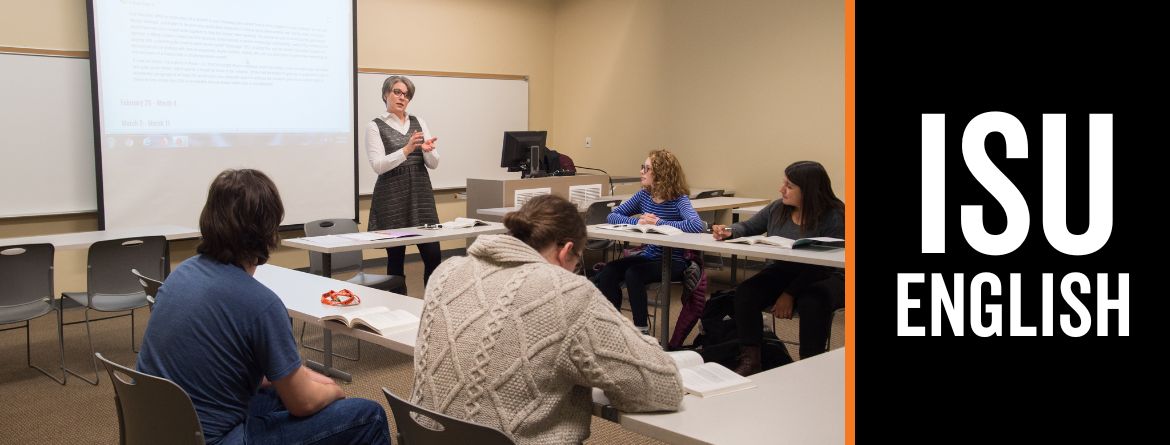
425,236
802,402
736,216
703,242
82,240
301,294
700,205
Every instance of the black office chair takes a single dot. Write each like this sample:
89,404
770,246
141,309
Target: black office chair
420,426
711,218
26,293
597,213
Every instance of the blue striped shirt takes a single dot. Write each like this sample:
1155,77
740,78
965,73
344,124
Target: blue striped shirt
677,213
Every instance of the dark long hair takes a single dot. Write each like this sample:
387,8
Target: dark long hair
241,220
816,192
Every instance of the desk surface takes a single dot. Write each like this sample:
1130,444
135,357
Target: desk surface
749,211
803,402
425,236
705,243
82,240
700,205
301,293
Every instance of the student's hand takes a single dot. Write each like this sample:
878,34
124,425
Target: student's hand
320,378
429,145
648,218
783,306
720,232
415,142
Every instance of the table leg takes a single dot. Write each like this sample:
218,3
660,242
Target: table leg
326,367
734,258
663,318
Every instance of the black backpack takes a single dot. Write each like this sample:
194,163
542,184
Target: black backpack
718,340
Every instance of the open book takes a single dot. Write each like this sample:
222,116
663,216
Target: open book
378,319
644,228
779,241
707,379
462,223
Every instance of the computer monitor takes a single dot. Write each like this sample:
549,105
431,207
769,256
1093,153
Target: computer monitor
516,155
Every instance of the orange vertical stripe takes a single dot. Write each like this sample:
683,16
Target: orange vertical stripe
850,233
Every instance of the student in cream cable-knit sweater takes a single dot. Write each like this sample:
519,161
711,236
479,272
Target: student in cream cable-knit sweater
511,338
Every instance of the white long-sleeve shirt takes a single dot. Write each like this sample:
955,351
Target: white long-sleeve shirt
376,152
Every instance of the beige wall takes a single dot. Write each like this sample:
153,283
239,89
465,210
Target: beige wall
471,36
738,89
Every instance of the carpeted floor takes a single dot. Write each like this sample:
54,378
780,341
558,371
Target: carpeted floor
34,409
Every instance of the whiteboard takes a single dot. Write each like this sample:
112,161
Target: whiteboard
46,119
468,115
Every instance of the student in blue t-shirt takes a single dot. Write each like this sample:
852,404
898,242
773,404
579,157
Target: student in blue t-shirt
226,339
663,200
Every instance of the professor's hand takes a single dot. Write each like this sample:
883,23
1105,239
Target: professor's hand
429,145
415,142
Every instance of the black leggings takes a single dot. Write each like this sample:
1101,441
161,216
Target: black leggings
636,271
814,303
430,253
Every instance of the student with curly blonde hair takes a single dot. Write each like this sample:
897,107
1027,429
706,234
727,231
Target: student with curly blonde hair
663,200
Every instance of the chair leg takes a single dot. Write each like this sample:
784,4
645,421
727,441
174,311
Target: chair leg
133,347
28,353
92,356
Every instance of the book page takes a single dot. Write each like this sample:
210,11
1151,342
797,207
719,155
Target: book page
462,223
327,241
386,320
712,379
665,230
686,359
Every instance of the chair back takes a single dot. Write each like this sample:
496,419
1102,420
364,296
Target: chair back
26,273
110,262
152,409
149,285
709,194
598,211
438,428
338,262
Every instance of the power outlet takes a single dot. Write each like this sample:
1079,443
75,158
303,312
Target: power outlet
588,142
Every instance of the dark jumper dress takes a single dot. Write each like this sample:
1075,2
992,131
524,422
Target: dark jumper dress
402,196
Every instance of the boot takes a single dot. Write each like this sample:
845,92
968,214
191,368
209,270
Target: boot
749,360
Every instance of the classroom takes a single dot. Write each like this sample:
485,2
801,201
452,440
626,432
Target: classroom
737,90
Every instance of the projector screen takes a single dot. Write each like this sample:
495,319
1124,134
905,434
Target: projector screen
184,90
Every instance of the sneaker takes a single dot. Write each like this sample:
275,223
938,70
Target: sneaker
645,330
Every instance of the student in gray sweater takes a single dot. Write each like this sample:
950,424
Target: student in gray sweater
511,338
807,208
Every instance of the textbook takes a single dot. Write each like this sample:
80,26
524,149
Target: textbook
378,319
462,223
779,241
707,379
644,228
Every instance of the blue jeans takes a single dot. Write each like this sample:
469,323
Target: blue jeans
345,421
636,271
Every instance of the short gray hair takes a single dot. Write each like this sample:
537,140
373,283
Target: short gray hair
388,84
